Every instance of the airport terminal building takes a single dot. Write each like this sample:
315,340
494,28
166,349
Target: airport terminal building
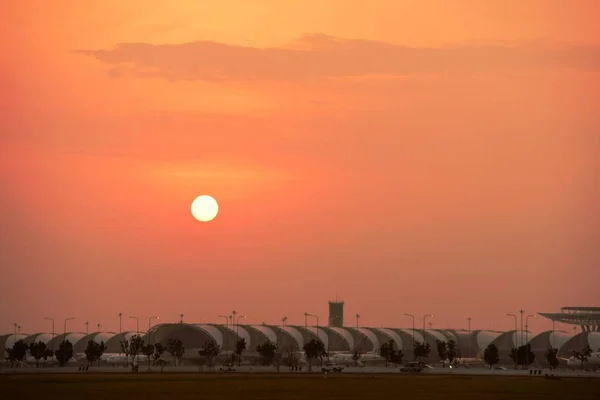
338,339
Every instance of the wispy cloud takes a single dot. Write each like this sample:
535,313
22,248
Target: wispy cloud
316,57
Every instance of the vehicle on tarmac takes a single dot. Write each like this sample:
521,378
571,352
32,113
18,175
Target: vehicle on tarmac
332,367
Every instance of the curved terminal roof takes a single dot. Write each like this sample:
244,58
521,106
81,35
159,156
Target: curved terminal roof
371,336
212,331
392,335
436,334
417,335
484,338
267,332
347,336
294,334
320,333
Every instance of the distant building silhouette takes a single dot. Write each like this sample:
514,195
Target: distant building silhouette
336,314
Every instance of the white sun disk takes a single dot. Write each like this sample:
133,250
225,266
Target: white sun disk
204,208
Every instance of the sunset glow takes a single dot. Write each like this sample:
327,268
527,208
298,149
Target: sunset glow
445,150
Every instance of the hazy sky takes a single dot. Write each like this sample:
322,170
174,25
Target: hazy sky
414,157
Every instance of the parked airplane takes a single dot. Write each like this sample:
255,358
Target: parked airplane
366,358
464,362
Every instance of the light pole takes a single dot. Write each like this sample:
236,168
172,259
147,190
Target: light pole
98,326
233,319
413,328
527,328
65,340
137,325
149,327
19,329
181,318
16,331
425,316
237,323
87,327
51,319
553,335
521,312
283,321
226,319
120,322
469,336
517,337
357,318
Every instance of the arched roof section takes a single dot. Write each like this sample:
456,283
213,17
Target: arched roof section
371,336
113,344
267,332
241,332
97,337
347,336
294,334
392,335
558,338
484,338
417,335
436,334
72,337
212,331
450,335
594,341
506,340
12,339
39,337
320,333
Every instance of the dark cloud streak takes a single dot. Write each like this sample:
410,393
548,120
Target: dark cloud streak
317,57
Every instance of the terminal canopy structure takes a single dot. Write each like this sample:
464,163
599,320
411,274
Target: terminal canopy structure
588,318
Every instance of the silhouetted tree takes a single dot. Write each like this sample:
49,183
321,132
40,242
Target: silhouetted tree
17,352
148,351
314,349
267,352
442,351
125,350
37,350
522,355
94,351
396,357
491,355
583,355
48,353
210,350
240,346
159,350
175,349
136,344
421,350
291,358
552,358
451,353
64,352
386,350
356,355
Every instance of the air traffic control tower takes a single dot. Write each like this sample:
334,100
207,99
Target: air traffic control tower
588,318
336,314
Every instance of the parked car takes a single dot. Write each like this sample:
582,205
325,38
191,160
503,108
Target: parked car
227,368
332,367
412,367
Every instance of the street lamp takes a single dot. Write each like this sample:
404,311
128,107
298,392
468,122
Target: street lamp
181,318
517,336
98,326
237,323
284,320
87,327
149,327
120,322
51,319
357,318
553,335
137,325
469,336
425,316
413,327
521,312
65,340
226,319
527,328
16,331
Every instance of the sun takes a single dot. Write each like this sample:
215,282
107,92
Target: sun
205,208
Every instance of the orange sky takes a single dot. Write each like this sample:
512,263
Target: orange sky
418,156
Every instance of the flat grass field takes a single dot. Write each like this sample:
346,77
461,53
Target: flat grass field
151,386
